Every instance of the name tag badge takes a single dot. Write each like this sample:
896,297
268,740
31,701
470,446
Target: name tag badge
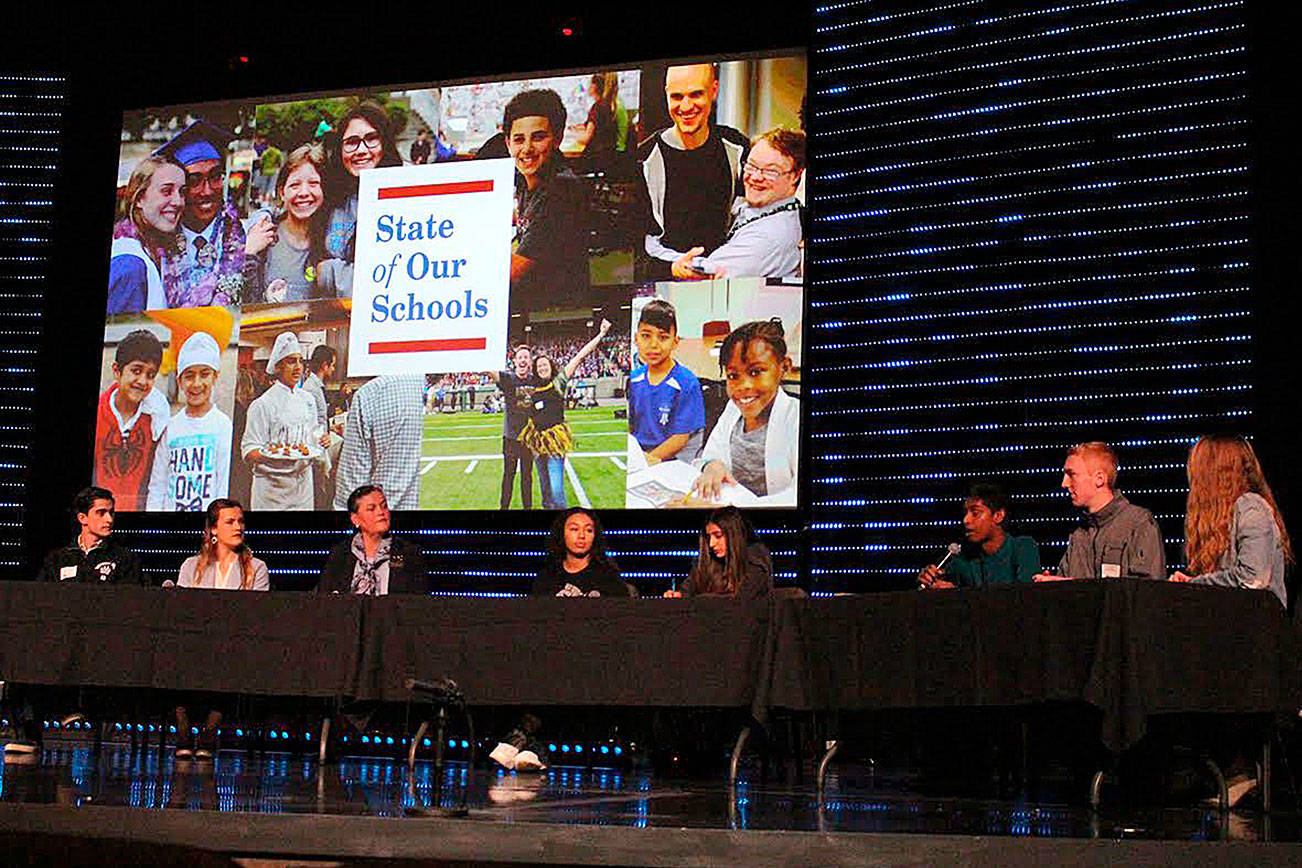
66,573
1112,571
537,405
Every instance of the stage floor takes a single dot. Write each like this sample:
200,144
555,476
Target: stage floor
286,805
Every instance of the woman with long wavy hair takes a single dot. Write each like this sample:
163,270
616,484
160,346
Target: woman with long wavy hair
731,562
224,562
145,252
1234,532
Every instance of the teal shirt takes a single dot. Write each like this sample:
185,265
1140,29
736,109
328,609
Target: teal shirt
1017,560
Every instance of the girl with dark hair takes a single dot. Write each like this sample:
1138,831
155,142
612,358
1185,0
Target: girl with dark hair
756,442
1234,532
577,564
363,139
546,433
731,563
281,265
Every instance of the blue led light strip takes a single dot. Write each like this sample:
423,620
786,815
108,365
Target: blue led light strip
1003,85
899,295
1057,31
1075,165
1008,197
1029,58
1028,330
1029,354
1028,400
1040,125
1041,305
993,379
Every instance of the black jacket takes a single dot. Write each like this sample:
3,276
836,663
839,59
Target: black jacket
406,568
107,562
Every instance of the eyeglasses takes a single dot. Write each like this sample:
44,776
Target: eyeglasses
766,172
371,140
213,178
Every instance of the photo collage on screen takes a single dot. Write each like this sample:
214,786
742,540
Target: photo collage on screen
655,309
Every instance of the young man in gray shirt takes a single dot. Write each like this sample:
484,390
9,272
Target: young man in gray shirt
1114,539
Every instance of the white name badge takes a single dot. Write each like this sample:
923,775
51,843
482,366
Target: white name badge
1112,571
67,573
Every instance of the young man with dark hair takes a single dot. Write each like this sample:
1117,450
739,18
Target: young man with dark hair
990,556
420,149
130,419
1114,538
92,556
691,172
517,385
550,258
373,563
666,408
320,367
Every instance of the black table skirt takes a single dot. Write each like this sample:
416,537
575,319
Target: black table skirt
1130,649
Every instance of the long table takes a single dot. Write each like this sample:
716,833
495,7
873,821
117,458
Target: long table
1131,649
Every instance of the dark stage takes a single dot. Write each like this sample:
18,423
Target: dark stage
286,809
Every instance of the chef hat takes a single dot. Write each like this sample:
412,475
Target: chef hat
199,349
286,345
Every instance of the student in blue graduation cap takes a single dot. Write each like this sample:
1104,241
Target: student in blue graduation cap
212,264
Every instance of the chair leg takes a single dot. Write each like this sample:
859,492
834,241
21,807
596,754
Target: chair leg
1096,789
1264,780
820,783
736,756
325,740
415,741
1222,791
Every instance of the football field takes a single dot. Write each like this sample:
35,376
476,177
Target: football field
461,461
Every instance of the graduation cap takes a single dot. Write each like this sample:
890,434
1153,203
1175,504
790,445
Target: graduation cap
199,141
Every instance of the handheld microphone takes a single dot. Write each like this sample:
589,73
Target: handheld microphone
950,551
953,549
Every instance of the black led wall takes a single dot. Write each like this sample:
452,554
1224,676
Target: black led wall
1030,225
1032,229
31,111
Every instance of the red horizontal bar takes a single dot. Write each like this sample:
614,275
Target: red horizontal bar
436,189
438,345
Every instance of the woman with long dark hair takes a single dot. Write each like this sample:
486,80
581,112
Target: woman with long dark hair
1234,532
577,564
546,432
363,140
731,561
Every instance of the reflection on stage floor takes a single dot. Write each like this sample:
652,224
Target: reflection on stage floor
859,799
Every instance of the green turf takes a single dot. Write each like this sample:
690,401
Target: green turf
458,439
